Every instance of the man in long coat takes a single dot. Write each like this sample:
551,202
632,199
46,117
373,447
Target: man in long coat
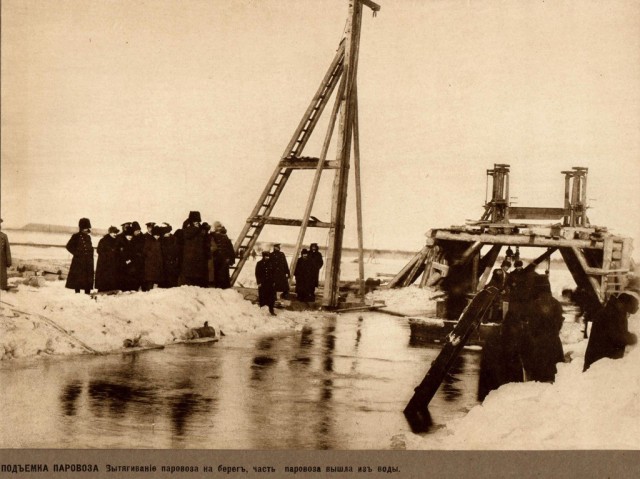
266,283
280,270
315,257
305,275
541,344
152,253
5,259
107,269
194,256
170,257
129,263
609,333
224,256
81,270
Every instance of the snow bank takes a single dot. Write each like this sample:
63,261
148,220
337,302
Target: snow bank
33,320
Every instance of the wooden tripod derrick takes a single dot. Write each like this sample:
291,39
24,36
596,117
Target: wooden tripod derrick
342,72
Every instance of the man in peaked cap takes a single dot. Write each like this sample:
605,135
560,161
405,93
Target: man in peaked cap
281,271
266,282
610,331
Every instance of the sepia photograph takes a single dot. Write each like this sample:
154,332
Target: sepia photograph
319,225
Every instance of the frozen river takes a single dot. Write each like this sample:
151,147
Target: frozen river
339,384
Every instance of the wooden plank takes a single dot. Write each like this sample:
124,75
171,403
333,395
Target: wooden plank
535,213
517,240
356,164
272,220
307,164
587,283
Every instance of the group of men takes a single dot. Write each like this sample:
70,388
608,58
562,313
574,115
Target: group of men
130,260
527,345
273,274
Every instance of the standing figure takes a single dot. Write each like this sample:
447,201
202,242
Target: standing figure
152,254
107,269
170,257
253,254
81,270
315,256
266,283
305,275
224,256
5,260
138,242
280,270
541,344
127,253
194,259
609,333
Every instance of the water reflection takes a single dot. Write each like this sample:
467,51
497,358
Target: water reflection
187,406
70,394
451,381
339,383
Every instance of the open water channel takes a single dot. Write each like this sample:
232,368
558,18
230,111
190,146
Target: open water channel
341,383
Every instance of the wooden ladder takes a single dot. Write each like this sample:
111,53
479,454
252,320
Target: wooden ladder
291,160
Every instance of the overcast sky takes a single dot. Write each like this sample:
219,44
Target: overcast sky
130,110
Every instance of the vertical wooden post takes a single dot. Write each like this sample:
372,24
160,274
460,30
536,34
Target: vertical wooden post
339,198
356,164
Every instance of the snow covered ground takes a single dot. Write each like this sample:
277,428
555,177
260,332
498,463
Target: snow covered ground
599,409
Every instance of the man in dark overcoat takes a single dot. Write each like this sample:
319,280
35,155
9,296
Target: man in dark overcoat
266,282
152,259
315,257
305,275
280,270
107,269
194,256
541,344
224,256
81,270
170,257
5,259
610,333
127,253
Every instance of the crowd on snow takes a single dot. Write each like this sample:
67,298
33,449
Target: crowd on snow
129,260
195,255
527,345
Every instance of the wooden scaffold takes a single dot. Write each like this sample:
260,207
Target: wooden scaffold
341,73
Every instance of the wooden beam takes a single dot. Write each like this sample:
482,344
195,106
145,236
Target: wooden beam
584,281
271,220
307,164
356,164
533,213
517,240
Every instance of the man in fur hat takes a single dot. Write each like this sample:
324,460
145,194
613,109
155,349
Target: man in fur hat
170,257
81,270
5,259
315,258
194,253
610,331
